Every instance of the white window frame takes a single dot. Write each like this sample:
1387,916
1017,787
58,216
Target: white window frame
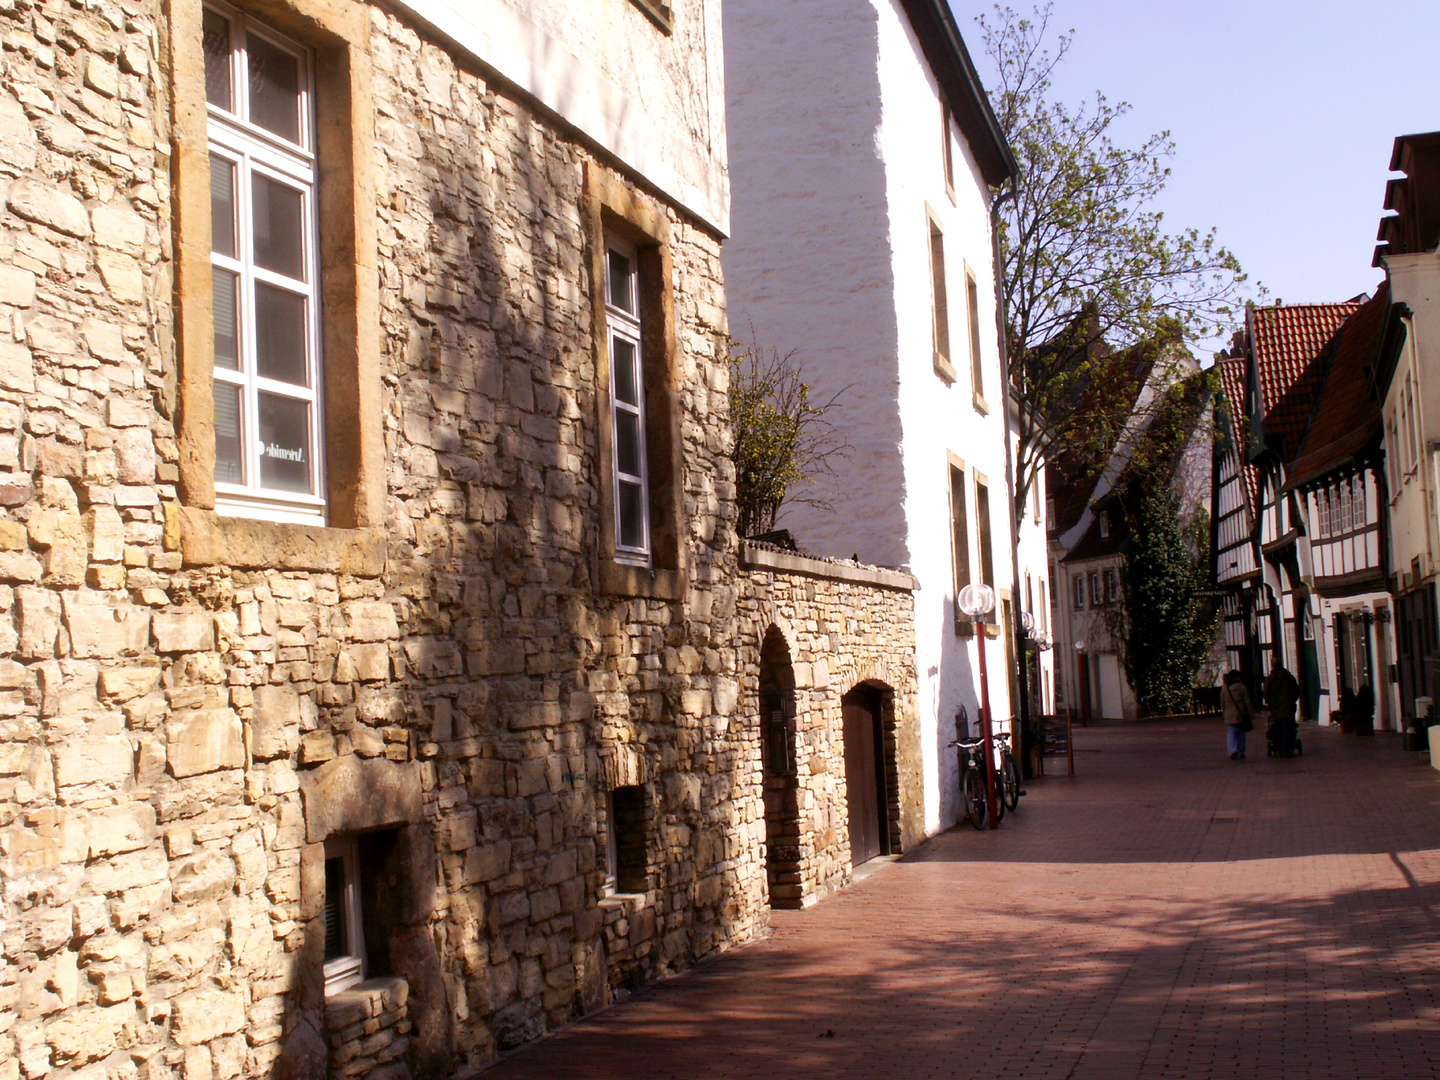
612,849
625,326
257,152
343,972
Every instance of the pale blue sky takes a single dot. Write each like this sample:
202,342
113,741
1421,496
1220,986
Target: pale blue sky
1283,115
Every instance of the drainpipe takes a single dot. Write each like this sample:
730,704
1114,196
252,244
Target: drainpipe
1003,336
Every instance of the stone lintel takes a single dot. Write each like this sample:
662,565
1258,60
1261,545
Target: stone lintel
350,794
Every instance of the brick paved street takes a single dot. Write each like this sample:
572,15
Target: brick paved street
1166,913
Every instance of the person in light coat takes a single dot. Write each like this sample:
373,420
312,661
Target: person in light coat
1239,714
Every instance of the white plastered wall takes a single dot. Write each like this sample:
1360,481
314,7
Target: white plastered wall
940,419
836,162
655,101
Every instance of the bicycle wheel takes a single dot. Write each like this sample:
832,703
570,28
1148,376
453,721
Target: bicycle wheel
973,793
1010,782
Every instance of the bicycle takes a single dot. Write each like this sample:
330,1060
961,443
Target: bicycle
1007,773
973,801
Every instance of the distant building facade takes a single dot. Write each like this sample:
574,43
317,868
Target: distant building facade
1092,503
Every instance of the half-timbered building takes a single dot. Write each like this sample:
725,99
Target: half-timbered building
1237,569
1271,615
1338,480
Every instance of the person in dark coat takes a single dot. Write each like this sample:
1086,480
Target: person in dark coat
1282,695
1365,710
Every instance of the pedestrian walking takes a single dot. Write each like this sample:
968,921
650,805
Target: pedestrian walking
1282,695
1239,714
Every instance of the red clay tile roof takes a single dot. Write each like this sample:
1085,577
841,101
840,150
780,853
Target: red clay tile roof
1347,416
1290,344
1232,385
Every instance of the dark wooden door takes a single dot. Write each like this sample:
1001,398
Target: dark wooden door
864,777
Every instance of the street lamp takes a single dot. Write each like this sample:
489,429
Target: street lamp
977,601
1083,670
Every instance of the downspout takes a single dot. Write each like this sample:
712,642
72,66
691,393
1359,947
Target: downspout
1003,337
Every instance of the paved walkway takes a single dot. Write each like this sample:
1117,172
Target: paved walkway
1165,913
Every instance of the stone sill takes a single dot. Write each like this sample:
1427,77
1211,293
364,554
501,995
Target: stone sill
627,901
755,558
621,579
205,538
945,369
981,405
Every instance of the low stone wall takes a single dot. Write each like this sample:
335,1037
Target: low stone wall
367,1027
843,626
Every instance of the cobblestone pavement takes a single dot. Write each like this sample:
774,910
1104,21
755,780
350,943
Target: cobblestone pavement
1165,913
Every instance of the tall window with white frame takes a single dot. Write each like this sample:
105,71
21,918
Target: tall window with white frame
627,404
344,937
265,269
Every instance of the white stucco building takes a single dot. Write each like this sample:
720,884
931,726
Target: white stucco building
1406,374
862,154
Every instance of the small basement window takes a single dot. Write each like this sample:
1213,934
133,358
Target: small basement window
625,838
344,935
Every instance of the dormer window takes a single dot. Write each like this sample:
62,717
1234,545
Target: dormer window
1104,525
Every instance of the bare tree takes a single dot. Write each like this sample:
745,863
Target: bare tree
783,436
1087,266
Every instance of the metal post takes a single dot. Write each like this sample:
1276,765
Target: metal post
985,731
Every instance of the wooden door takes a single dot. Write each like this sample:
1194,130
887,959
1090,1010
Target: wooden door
864,777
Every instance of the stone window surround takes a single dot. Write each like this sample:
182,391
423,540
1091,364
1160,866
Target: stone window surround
353,540
613,206
947,149
972,325
939,298
964,627
661,13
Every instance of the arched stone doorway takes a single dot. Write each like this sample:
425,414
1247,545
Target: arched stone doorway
871,778
782,802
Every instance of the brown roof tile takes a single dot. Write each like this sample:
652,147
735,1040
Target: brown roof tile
1290,344
1347,416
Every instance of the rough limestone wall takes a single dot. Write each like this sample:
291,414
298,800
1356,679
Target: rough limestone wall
161,724
840,633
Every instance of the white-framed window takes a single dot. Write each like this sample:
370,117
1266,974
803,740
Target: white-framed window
1079,582
1112,586
266,268
1096,596
344,935
625,843
627,404
1104,524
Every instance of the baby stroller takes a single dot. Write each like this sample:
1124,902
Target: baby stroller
1275,738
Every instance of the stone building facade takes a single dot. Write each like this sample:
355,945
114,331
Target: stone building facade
425,704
